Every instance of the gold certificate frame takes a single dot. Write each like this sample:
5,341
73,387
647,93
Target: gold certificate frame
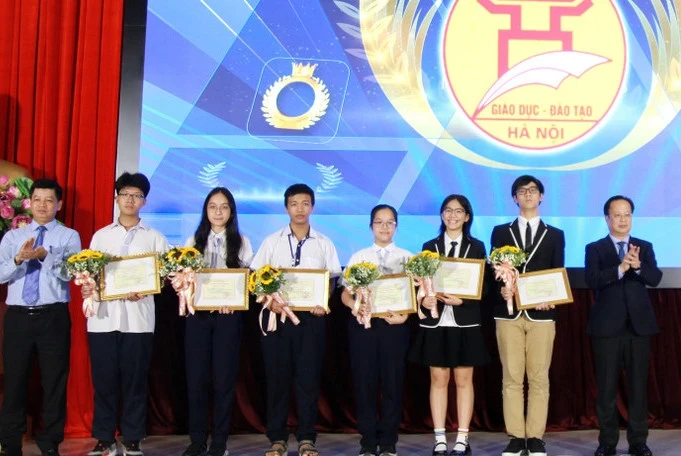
461,277
304,289
130,274
549,286
216,288
392,293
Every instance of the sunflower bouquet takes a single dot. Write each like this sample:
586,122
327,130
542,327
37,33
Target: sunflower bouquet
178,259
266,284
180,265
505,260
358,277
422,267
85,267
508,254
265,281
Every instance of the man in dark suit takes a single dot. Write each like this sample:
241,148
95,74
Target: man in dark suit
525,338
618,268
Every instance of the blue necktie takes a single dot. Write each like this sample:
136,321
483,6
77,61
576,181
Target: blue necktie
216,254
620,249
30,293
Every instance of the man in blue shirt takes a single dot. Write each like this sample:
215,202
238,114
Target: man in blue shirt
32,262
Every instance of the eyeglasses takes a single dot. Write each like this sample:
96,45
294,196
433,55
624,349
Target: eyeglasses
135,196
390,224
457,211
527,191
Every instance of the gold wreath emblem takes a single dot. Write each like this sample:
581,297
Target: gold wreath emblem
300,73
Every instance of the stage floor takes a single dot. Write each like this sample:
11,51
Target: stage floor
576,443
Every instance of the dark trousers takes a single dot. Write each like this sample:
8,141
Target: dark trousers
294,353
120,365
377,357
211,340
610,353
47,331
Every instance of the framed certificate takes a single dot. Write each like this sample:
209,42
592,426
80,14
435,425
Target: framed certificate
461,277
216,288
392,293
550,286
305,288
130,274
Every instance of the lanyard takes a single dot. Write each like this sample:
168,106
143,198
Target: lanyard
295,257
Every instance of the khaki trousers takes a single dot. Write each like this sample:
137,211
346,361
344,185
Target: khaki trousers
525,347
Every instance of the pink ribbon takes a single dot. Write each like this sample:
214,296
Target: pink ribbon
84,278
509,274
426,288
362,308
286,311
184,283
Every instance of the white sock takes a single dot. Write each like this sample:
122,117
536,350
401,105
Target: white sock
462,437
440,438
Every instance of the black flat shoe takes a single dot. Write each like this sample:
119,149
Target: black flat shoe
441,451
457,451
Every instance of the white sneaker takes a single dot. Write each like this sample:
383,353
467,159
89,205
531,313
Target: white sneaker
103,448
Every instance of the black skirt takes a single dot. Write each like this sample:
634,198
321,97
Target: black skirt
449,346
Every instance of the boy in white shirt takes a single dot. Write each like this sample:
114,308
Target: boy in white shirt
295,353
121,332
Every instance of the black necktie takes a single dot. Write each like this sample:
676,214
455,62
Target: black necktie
528,237
452,249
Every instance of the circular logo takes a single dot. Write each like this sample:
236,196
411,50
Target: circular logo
299,74
535,74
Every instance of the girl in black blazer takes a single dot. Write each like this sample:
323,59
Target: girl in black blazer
454,340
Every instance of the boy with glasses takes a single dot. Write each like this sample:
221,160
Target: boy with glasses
121,332
525,338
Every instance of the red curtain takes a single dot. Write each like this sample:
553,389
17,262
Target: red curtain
59,84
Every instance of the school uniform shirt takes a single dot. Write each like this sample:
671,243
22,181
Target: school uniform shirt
279,250
120,314
390,259
245,253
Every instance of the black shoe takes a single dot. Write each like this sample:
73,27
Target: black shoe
536,447
516,447
367,451
217,449
51,452
606,450
132,448
387,450
103,448
640,449
196,449
461,449
440,449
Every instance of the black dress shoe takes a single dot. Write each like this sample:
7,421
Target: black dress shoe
640,449
606,450
440,449
457,451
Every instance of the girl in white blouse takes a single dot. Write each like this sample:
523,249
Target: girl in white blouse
378,354
212,339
